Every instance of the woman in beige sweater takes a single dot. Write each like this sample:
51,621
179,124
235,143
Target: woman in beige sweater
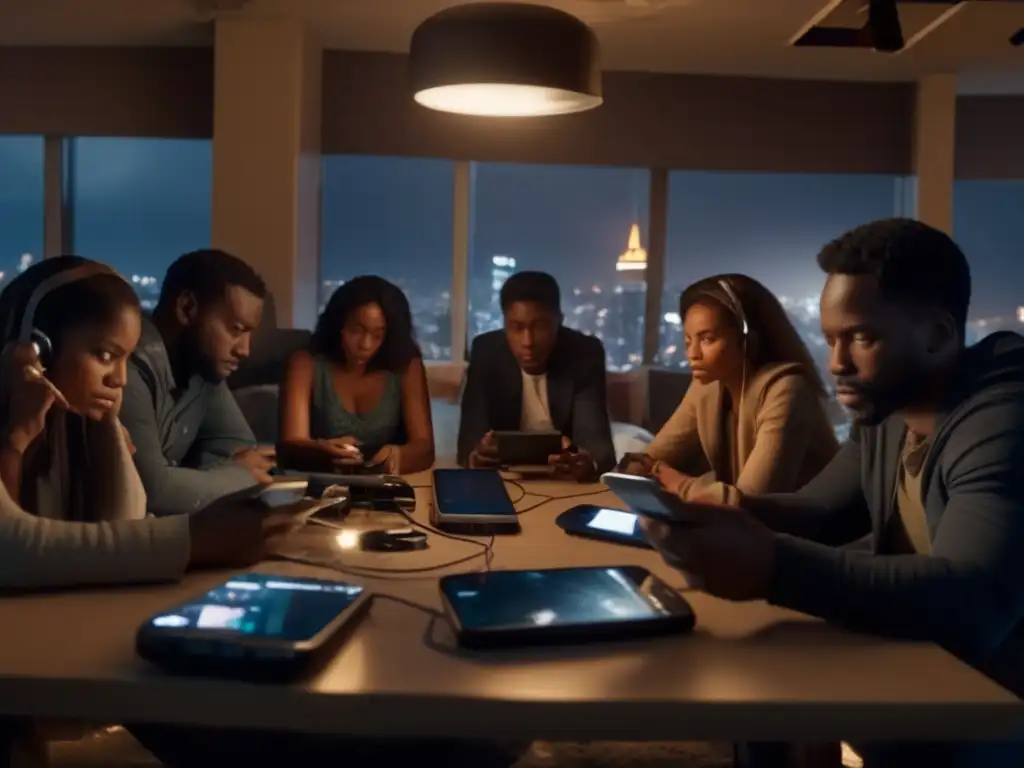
72,506
753,419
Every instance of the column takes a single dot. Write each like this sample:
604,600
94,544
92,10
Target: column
266,157
934,148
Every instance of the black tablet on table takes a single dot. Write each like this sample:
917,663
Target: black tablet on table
497,609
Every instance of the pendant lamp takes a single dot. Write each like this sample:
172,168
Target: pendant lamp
505,60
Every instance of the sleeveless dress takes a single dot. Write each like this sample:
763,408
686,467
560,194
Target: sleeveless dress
329,418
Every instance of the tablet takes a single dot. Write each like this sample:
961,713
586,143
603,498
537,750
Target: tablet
472,501
645,496
526,448
617,526
561,605
254,626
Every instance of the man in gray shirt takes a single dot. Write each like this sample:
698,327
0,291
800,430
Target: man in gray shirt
192,443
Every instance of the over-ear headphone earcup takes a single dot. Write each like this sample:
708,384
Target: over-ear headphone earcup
43,347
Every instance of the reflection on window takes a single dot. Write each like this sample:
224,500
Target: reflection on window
769,226
139,204
21,203
987,225
586,226
392,217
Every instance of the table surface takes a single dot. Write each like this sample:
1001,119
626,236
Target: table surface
749,671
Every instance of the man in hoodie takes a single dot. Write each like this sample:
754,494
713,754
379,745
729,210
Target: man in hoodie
192,443
932,472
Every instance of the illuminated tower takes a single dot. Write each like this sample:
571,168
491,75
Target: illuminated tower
627,305
632,263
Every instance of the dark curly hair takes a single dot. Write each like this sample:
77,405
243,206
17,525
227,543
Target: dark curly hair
399,347
913,262
773,338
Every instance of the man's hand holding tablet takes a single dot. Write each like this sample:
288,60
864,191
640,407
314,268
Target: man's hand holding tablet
485,455
723,550
573,463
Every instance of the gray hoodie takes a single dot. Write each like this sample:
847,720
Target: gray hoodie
968,594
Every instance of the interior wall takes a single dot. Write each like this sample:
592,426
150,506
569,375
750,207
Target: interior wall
990,137
673,121
142,92
669,121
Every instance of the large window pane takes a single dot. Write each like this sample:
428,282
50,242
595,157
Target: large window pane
769,226
574,223
987,223
392,216
21,203
141,203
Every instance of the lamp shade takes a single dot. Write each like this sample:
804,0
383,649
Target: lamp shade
505,60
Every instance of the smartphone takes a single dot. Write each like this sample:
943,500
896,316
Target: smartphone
616,526
472,501
645,496
561,605
254,626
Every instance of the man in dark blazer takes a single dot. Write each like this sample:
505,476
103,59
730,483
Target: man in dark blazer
537,375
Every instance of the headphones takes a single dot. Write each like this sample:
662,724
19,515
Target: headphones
737,307
27,332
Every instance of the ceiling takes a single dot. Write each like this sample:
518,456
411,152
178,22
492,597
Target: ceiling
738,37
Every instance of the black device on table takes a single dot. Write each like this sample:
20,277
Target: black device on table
498,609
472,502
645,496
255,627
616,526
361,490
524,448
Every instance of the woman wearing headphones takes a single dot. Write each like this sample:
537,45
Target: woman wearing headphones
72,506
753,419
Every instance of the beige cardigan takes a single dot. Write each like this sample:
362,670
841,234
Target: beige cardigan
783,436
48,551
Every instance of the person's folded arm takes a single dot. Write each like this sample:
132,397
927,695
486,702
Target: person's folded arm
418,451
474,421
592,429
37,553
831,508
171,490
786,424
969,593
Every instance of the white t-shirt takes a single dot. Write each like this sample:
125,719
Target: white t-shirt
536,413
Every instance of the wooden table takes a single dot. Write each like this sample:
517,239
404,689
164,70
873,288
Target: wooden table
749,672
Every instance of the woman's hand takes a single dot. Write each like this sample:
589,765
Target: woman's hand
672,480
31,395
391,457
344,451
639,464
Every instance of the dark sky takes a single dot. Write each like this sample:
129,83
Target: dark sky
141,202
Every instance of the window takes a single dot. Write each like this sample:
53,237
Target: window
139,204
986,224
577,224
769,226
21,203
392,217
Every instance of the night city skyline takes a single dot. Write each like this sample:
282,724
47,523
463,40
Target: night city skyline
140,203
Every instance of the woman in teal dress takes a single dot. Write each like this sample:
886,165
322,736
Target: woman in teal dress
359,395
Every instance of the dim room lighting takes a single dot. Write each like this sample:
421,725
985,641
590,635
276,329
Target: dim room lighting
505,60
